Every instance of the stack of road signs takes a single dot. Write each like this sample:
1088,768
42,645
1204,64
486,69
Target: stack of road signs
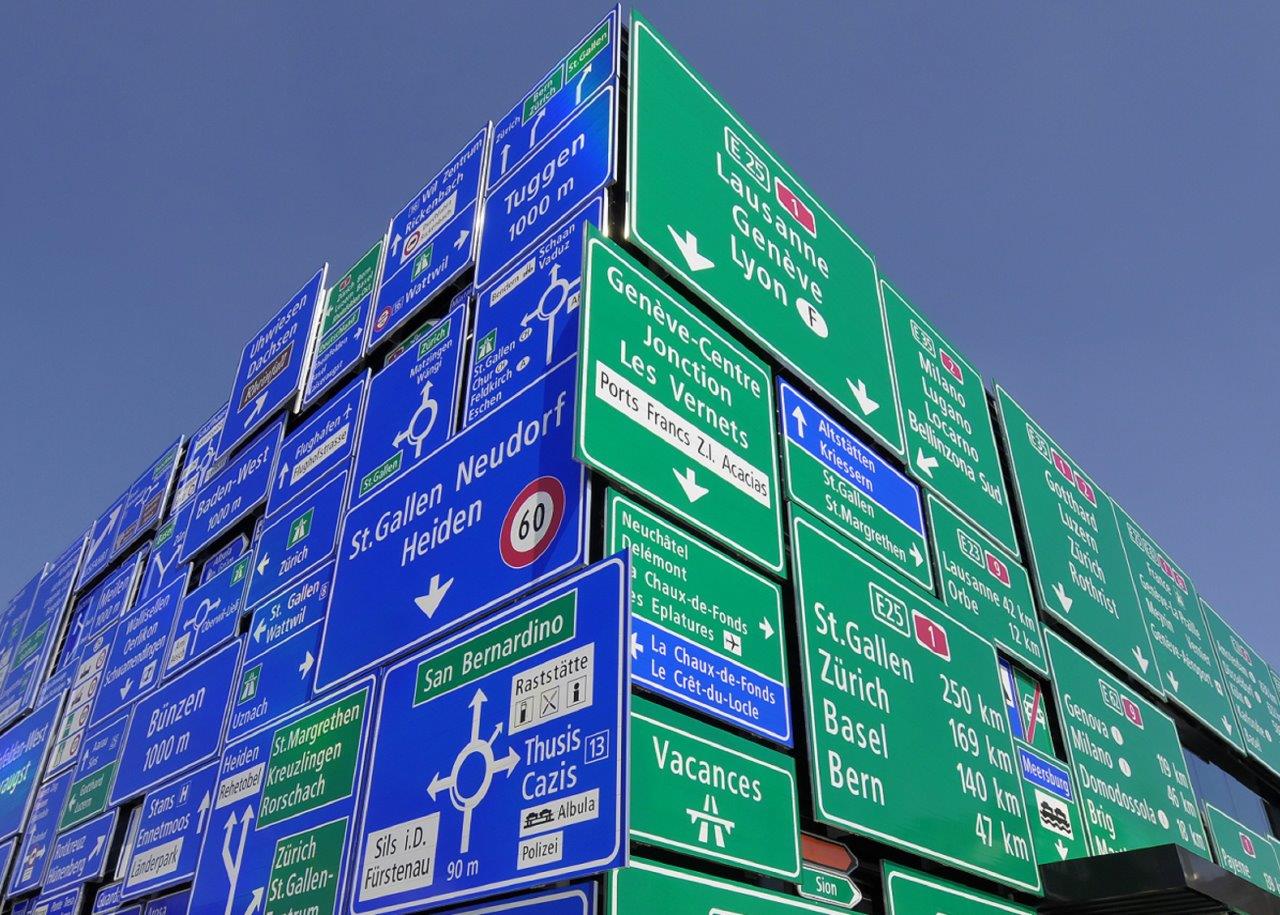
612,534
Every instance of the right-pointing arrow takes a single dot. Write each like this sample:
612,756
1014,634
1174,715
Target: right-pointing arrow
693,490
688,245
428,602
767,628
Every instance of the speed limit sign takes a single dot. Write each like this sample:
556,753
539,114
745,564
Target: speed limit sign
532,522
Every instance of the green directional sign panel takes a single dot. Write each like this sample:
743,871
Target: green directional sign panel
951,442
828,886
910,892
707,629
1134,788
908,737
1247,854
712,204
1077,560
1056,829
1179,635
1251,688
706,792
644,887
670,406
985,587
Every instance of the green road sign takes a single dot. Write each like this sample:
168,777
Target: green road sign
1251,688
1129,770
828,886
832,473
345,294
985,587
712,204
1179,635
908,738
672,407
951,442
305,869
1077,560
1242,851
291,786
1056,829
909,892
88,796
706,792
708,630
644,887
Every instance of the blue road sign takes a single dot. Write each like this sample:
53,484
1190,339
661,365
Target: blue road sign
107,602
527,319
162,564
497,510
202,453
137,654
592,63
178,903
237,489
170,828
147,499
62,902
432,240
344,325
80,854
411,405
223,558
209,616
525,773
298,539
578,159
22,753
321,445
99,550
37,835
95,772
272,363
280,830
177,726
108,899
576,899
7,848
86,674
274,682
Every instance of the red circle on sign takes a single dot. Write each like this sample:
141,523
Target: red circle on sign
532,522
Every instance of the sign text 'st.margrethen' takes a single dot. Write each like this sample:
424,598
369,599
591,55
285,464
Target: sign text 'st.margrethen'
719,376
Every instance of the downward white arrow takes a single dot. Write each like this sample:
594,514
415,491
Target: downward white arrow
128,685
865,403
1140,658
688,245
915,554
767,628
428,602
692,489
1173,681
1062,850
926,464
1065,601
305,666
798,414
1227,724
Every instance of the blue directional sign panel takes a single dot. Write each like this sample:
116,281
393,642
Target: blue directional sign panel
170,828
321,445
112,597
576,160
343,324
147,499
298,539
525,771
80,854
209,616
575,899
178,903
37,836
223,558
108,900
272,363
280,829
95,772
202,453
527,319
432,240
411,405
62,902
176,726
162,564
237,489
22,752
99,550
137,655
498,509
580,74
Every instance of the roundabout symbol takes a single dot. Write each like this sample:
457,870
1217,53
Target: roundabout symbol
564,294
415,433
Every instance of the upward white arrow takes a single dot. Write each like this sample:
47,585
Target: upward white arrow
203,811
258,406
688,245
798,415
428,602
865,403
926,464
284,472
693,490
97,846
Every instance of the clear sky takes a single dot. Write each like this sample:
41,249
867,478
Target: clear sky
1083,196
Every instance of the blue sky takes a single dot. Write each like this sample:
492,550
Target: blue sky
1082,196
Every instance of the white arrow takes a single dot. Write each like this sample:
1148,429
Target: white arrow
1140,658
533,131
506,148
97,846
258,406
799,418
203,811
865,403
688,245
284,472
1173,681
693,491
508,762
305,666
1227,724
395,244
582,79
263,563
1061,593
428,602
1062,850
259,629
128,685
915,554
255,902
462,238
926,464
438,784
767,628
636,648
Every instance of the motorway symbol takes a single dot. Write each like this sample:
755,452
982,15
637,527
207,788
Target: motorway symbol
295,541
208,617
833,474
37,836
237,489
170,829
22,752
323,444
80,854
910,892
223,558
431,550
270,375
529,711
673,408
344,322
137,654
